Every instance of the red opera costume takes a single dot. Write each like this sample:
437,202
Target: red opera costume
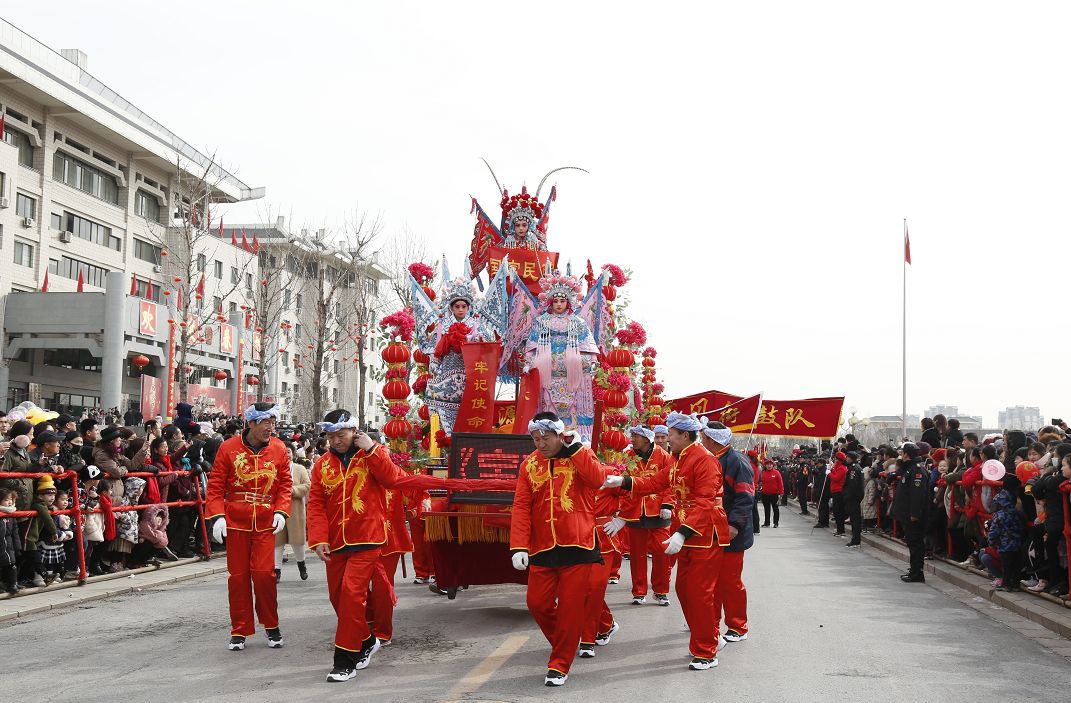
646,530
599,618
695,481
247,488
553,521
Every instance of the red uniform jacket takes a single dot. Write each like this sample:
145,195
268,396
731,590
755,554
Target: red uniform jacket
348,504
696,483
248,487
398,538
836,477
634,505
607,504
554,502
772,485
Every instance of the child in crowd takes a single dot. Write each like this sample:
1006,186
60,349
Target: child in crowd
43,530
125,493
10,542
1006,533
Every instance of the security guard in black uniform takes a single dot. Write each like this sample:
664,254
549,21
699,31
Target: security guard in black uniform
911,509
803,481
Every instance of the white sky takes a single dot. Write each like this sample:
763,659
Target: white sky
751,162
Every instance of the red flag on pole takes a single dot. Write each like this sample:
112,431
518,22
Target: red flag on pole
81,281
221,228
44,286
907,245
133,286
148,289
256,244
234,241
201,287
2,125
245,242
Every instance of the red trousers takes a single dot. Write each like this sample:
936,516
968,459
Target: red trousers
697,577
423,566
382,597
557,599
730,594
615,567
598,617
641,541
251,563
348,577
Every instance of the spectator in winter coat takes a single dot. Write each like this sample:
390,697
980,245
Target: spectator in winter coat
836,489
852,495
1006,533
871,494
772,489
10,541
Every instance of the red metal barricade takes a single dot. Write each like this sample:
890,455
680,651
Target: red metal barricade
79,516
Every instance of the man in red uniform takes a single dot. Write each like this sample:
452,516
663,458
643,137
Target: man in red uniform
383,596
648,520
696,482
599,623
249,499
553,529
348,526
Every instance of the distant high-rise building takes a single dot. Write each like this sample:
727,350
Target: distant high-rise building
1020,417
946,410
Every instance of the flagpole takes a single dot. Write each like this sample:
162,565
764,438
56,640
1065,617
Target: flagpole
903,409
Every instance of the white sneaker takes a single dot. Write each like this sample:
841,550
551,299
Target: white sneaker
661,599
603,639
702,664
555,678
586,651
614,582
733,636
722,642
639,600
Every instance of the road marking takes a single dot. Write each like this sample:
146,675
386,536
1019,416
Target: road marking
485,669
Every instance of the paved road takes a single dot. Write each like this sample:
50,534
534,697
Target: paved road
826,622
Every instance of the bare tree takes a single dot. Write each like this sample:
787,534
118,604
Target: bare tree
404,248
189,244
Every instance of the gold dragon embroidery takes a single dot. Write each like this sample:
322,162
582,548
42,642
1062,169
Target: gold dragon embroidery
538,474
243,474
332,479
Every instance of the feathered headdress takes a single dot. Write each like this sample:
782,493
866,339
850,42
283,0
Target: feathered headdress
518,206
555,285
455,290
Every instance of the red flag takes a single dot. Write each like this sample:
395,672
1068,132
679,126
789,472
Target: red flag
133,286
148,289
245,242
256,244
907,245
1,125
44,286
201,286
81,281
178,303
221,228
234,242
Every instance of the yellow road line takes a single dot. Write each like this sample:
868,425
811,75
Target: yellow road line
485,669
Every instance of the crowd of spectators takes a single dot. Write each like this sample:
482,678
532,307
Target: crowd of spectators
117,460
995,503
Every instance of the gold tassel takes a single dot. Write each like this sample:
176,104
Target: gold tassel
437,529
473,528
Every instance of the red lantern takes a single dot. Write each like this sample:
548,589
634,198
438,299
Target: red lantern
616,398
615,439
429,291
656,400
397,428
395,353
178,280
648,362
220,375
163,252
252,380
141,361
620,358
609,292
221,318
396,390
423,413
188,369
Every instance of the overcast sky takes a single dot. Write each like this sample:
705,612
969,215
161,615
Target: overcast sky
752,163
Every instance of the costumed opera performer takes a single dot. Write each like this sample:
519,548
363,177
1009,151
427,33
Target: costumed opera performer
458,324
648,519
248,499
695,480
552,533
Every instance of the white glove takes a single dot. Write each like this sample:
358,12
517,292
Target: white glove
525,369
219,529
665,513
425,505
278,522
520,561
614,526
613,481
674,543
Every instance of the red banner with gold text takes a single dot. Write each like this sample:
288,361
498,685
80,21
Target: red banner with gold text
815,418
739,416
527,401
477,411
528,264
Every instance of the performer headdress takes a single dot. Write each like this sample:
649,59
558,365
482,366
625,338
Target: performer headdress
661,429
684,423
555,285
525,206
345,421
722,435
258,412
555,426
646,432
456,290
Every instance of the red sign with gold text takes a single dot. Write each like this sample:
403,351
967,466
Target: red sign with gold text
477,411
527,401
815,418
528,264
147,318
152,390
739,416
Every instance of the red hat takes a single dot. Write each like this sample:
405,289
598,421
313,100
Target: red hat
841,456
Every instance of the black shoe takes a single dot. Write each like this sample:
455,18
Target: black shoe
586,651
775,526
913,578
555,678
765,524
303,571
1057,589
364,657
236,644
275,638
344,668
821,526
278,575
1009,589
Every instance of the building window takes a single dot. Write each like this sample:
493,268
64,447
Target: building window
286,299
234,306
336,367
286,358
285,387
202,262
85,178
218,269
92,231
249,282
334,395
21,142
217,303
69,268
235,279
23,253
74,404
146,206
297,305
79,359
146,251
297,331
25,206
143,290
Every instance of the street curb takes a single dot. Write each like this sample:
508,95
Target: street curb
62,601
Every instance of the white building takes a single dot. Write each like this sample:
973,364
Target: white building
1019,417
91,186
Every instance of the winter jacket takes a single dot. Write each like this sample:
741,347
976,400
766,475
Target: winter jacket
870,499
10,542
1047,488
42,529
913,493
152,527
184,419
852,492
18,461
1006,526
837,476
772,485
738,477
113,465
